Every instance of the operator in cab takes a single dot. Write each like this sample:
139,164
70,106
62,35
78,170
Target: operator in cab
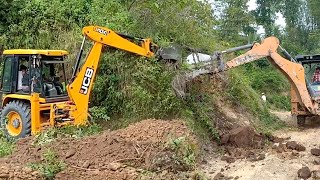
316,76
23,79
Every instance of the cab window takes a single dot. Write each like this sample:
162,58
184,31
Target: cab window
7,74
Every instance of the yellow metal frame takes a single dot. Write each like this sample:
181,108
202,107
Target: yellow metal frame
77,107
35,52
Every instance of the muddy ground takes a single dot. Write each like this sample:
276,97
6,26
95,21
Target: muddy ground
122,154
144,151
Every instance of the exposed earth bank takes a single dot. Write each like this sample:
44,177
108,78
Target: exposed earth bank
157,149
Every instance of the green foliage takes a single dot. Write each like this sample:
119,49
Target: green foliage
235,20
263,78
184,152
203,114
50,166
280,102
52,134
6,147
240,92
134,87
99,113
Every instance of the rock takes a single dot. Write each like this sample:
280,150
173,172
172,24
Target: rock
316,161
218,176
275,146
242,136
163,173
293,145
304,173
35,173
27,170
300,148
315,152
70,153
4,170
225,138
316,174
261,157
86,164
4,175
114,166
228,159
237,177
281,148
295,153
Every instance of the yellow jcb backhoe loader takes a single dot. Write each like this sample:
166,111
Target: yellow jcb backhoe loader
305,90
32,90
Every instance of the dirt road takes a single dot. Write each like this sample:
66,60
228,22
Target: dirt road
275,166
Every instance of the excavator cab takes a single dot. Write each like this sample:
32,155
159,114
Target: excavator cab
33,83
311,65
34,71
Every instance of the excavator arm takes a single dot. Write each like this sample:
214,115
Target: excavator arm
293,71
81,84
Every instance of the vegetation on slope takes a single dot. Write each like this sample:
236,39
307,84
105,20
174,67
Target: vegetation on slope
139,88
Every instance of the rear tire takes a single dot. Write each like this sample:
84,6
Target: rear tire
301,120
16,119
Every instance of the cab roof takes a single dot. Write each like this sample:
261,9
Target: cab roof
36,52
304,59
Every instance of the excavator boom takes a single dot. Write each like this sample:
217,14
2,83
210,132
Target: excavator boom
81,84
302,102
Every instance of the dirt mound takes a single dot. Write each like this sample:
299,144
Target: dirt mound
116,154
18,172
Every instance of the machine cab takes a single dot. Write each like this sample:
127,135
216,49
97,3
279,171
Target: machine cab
28,71
311,64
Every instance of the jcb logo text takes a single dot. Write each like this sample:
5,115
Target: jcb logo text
86,81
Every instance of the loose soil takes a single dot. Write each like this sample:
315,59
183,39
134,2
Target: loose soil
120,154
290,156
141,151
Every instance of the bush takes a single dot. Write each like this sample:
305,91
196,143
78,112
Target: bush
50,166
133,87
6,146
184,152
280,101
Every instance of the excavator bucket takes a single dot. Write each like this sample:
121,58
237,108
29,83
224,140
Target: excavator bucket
205,65
172,53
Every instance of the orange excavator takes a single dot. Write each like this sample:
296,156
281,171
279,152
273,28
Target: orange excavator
305,92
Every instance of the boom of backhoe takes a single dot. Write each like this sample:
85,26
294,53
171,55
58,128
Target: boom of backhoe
303,104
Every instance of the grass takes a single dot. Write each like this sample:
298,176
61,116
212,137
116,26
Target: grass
50,165
6,146
240,92
184,152
51,134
